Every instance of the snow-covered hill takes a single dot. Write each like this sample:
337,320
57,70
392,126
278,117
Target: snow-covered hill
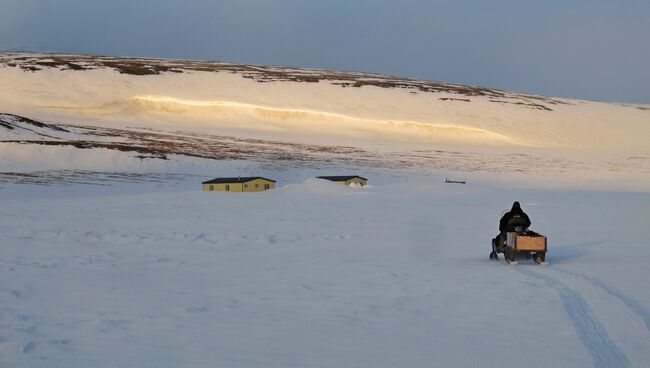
154,109
319,101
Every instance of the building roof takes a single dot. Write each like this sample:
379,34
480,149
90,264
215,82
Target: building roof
239,179
341,178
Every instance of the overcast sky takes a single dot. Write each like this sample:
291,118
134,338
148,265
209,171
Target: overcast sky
594,49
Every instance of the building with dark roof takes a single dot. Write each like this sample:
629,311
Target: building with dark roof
239,184
346,179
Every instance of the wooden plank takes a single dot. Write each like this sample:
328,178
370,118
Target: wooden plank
531,242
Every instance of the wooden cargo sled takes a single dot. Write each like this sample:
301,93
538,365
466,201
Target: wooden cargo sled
528,243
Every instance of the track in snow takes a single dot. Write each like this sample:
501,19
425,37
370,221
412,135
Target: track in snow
592,333
632,304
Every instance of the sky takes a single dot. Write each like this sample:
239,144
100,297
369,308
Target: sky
591,49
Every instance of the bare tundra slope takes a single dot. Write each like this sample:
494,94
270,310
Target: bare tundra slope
157,109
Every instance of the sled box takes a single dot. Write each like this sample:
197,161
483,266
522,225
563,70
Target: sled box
529,241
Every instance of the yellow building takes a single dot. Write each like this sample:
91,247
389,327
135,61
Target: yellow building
239,184
346,180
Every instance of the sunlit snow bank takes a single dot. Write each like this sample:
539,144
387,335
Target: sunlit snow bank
295,119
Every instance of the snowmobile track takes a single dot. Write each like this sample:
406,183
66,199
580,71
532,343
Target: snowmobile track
592,333
630,303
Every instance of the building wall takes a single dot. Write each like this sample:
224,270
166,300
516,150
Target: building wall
221,187
256,185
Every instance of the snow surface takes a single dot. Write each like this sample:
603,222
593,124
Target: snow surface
317,274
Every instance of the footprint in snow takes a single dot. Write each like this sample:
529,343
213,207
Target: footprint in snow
29,347
196,310
60,342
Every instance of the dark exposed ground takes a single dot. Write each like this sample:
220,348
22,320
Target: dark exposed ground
7,123
73,177
264,74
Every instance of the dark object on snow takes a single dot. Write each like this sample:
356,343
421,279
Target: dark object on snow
454,181
515,238
514,220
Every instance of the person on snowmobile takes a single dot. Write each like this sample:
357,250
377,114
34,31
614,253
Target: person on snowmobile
516,220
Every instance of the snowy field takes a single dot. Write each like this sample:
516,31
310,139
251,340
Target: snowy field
318,275
112,256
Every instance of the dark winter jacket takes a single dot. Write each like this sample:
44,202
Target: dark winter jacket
516,217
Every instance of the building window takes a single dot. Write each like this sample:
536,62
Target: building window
211,187
227,188
245,185
257,185
267,186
